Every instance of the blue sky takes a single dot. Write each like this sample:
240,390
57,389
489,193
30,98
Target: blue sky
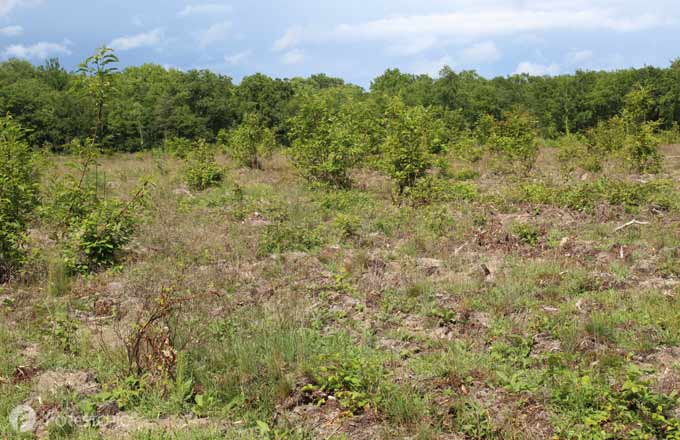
353,39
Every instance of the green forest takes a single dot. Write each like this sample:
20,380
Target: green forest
147,105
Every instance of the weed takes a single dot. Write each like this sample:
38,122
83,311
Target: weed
527,233
285,237
348,378
58,281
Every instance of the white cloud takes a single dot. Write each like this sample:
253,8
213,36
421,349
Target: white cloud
497,21
145,39
580,56
238,58
292,37
208,8
170,67
38,51
216,32
295,56
431,67
538,69
11,31
413,46
485,52
6,6
482,19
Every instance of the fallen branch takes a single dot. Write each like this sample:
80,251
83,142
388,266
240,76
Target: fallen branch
460,248
630,223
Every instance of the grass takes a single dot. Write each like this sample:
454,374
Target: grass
500,306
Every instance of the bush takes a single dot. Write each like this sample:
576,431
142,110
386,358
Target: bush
468,147
608,136
248,143
178,146
670,136
575,150
641,150
201,170
95,241
328,137
407,145
431,189
484,129
18,195
514,137
631,135
73,196
91,230
347,225
526,233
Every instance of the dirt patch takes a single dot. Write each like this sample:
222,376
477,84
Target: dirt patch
79,382
331,420
124,425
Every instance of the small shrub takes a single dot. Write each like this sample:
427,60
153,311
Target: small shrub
178,147
248,143
76,194
484,129
469,147
527,233
57,277
670,136
437,219
348,225
641,149
608,136
95,241
345,201
201,170
351,379
515,138
465,174
91,230
575,150
538,193
432,189
64,331
18,195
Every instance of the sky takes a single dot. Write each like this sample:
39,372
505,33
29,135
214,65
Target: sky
353,39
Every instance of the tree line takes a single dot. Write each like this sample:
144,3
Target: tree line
139,108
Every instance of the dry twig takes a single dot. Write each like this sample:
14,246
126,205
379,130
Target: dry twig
630,223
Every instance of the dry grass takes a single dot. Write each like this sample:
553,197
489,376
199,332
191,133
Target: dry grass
449,319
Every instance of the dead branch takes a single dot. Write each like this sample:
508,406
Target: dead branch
630,223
